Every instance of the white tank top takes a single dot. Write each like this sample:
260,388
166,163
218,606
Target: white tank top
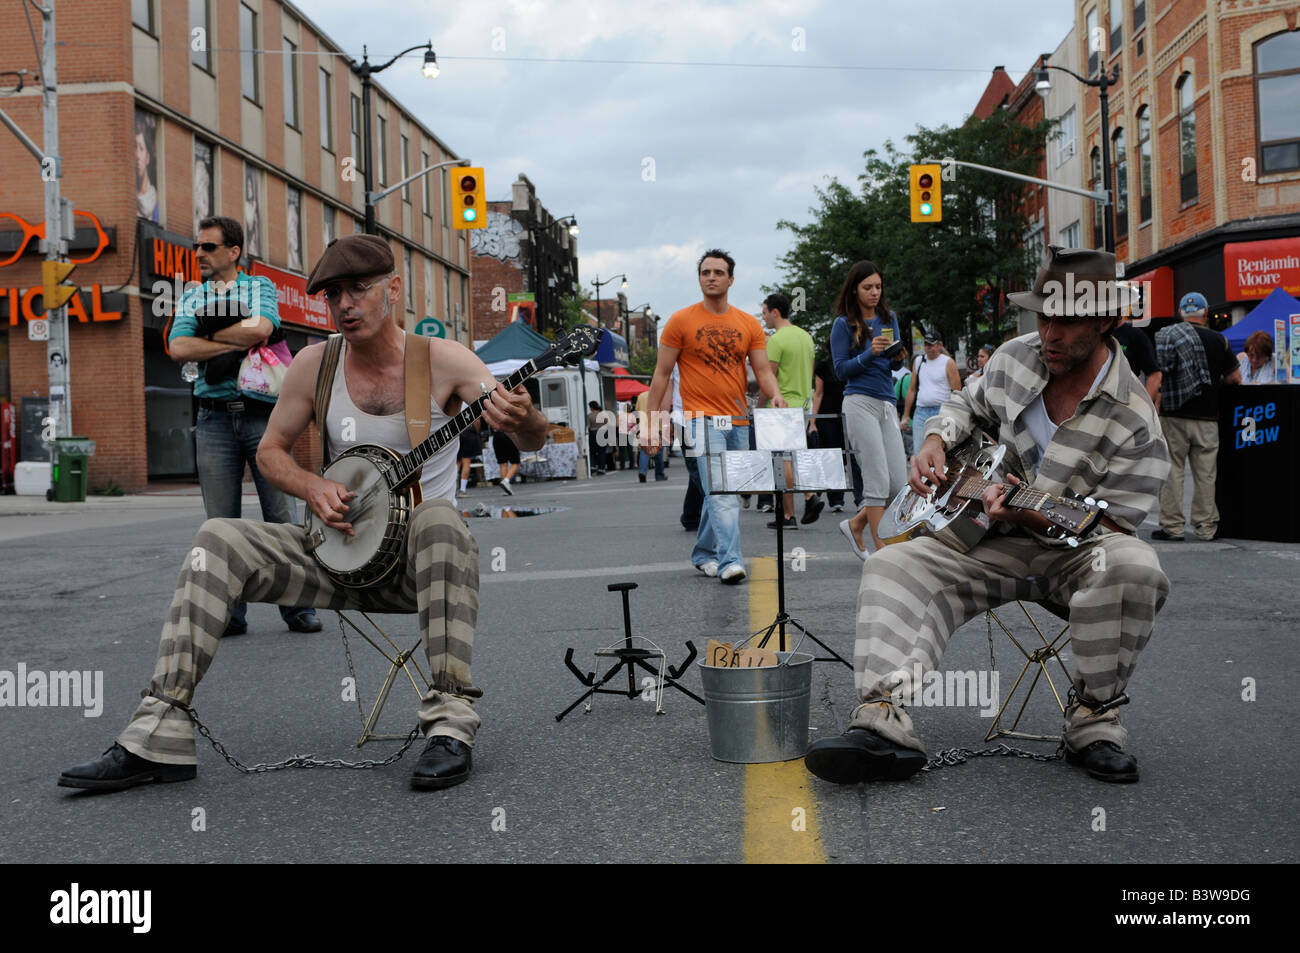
932,387
439,476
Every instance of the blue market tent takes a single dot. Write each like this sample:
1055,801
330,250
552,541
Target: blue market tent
1278,304
517,340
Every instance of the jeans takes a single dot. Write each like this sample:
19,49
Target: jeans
718,537
225,442
693,502
643,463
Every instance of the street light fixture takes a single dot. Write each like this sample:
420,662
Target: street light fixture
365,71
646,310
600,284
1103,82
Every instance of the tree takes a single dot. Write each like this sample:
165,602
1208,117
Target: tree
570,313
643,359
937,274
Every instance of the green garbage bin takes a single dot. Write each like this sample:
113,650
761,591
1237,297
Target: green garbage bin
68,472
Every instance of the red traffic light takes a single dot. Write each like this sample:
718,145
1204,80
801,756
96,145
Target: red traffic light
925,180
468,183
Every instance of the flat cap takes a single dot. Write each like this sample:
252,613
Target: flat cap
352,256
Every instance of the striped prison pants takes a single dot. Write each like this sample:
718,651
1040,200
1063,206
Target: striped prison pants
915,594
234,560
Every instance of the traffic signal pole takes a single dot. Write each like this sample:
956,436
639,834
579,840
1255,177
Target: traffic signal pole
1102,195
55,246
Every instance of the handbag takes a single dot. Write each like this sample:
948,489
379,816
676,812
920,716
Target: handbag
263,369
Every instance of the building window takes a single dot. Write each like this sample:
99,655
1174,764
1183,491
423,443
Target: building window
406,169
1116,24
358,149
1034,245
446,196
290,83
1139,14
1071,235
1144,163
252,212
326,112
142,14
199,21
248,53
446,294
1091,37
424,182
1277,93
202,182
381,161
1068,143
293,225
1186,138
408,279
1094,184
328,228
1121,184
428,287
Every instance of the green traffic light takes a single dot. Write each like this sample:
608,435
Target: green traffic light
927,208
470,215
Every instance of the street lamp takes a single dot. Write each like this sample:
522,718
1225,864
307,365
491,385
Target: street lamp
365,71
646,310
1043,83
600,284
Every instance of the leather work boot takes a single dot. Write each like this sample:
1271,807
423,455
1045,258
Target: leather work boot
445,762
118,769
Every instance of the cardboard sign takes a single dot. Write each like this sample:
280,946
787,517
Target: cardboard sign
722,655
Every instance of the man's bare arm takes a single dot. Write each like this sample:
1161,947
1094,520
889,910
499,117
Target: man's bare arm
661,391
766,379
509,411
240,336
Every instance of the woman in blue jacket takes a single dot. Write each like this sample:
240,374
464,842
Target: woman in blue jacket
859,337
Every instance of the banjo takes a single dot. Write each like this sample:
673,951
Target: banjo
387,484
955,512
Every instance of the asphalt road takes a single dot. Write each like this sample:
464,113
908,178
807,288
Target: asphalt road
87,589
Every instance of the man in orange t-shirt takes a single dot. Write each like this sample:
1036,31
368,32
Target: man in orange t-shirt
709,342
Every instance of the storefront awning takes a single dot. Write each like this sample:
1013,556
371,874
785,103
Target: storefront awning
1157,292
612,348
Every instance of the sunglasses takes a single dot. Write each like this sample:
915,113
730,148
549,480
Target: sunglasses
334,293
210,247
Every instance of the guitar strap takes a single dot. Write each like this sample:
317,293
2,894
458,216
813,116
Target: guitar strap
324,388
419,389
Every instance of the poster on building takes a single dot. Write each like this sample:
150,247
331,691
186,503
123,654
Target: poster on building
1281,358
202,182
252,212
146,165
294,228
1253,269
297,308
523,308
1295,347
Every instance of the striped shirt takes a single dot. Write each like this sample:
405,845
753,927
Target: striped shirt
1112,449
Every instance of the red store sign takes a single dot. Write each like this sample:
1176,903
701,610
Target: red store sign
1254,269
296,306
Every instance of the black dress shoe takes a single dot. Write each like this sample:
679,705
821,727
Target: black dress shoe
862,755
790,523
235,628
307,622
1167,537
446,761
1105,761
812,509
118,769
641,477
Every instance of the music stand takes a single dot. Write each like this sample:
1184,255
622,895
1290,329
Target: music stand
783,618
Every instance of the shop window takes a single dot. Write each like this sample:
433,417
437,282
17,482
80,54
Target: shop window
1277,95
1187,138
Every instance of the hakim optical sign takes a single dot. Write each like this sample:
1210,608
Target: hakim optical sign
468,207
927,199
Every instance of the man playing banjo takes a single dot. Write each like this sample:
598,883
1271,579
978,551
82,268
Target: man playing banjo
1074,419
233,560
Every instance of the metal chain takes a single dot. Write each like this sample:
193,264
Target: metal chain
952,756
297,761
356,684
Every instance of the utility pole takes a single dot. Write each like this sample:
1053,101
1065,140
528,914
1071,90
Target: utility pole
57,356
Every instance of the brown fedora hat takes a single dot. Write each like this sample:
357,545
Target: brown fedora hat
1078,282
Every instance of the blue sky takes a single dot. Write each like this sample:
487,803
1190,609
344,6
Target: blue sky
668,126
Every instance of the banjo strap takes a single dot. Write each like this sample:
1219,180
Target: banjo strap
324,388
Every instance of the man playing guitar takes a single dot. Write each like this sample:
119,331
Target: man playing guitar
1075,420
233,560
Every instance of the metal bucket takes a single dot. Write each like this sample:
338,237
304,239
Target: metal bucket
759,715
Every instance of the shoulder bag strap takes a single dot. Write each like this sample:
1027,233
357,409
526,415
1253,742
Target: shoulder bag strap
324,388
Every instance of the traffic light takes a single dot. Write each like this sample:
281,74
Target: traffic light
468,206
927,196
55,294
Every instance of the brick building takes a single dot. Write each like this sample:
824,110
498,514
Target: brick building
523,251
1205,144
261,122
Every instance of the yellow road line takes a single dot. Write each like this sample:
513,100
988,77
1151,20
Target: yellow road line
780,809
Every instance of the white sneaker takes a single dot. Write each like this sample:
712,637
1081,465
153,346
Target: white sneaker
505,485
765,508
733,574
709,569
